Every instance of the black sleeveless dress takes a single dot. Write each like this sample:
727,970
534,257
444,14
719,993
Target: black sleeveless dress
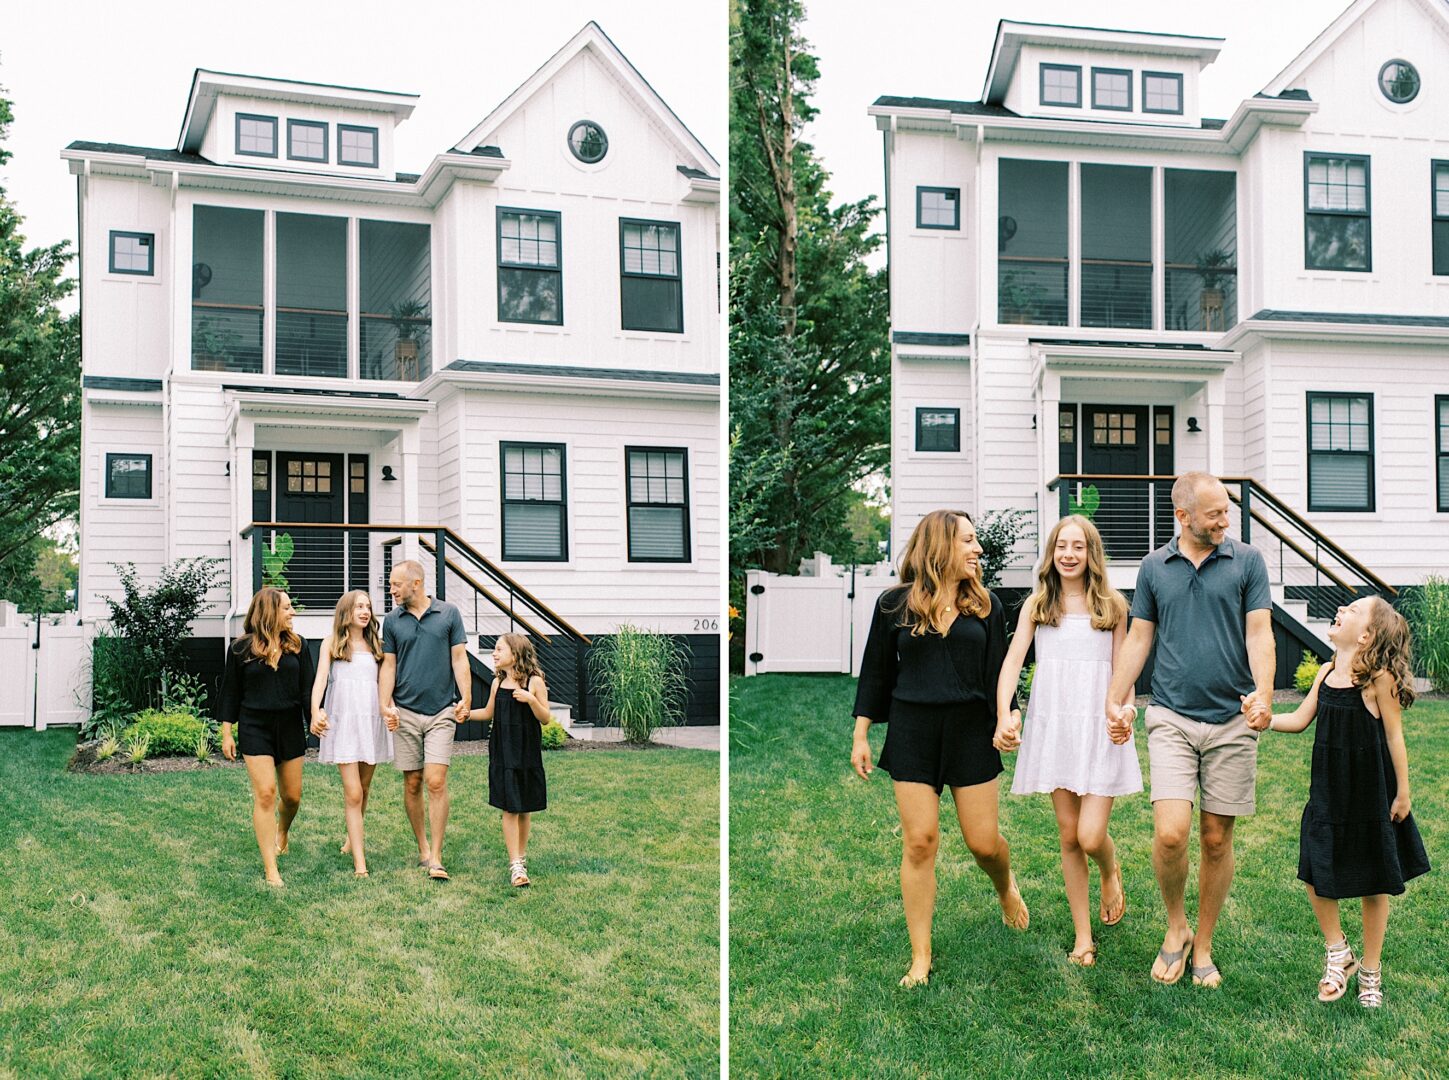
1347,844
515,757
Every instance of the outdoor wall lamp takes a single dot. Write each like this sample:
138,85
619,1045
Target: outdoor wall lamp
1192,426
387,473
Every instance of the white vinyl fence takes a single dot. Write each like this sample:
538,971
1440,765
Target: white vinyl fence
44,673
817,621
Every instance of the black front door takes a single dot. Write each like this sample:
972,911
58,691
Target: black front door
310,490
1115,442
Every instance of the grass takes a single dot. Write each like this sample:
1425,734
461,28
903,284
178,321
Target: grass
818,939
137,937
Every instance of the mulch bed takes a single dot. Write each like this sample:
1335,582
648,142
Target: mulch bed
84,758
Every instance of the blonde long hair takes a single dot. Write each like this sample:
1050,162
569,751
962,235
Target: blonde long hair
1047,604
341,640
525,658
1390,648
930,551
264,624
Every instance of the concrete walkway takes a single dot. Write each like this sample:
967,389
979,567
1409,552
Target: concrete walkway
695,738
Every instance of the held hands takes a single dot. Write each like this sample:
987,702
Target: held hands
391,717
460,712
860,758
1008,732
1399,810
320,727
1120,719
1258,712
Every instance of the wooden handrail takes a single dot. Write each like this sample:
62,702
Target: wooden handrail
493,568
1325,571
487,593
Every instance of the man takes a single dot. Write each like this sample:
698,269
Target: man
425,690
1205,598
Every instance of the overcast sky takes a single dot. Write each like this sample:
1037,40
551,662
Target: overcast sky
121,72
929,49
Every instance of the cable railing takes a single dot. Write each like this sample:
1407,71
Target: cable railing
226,337
312,342
1134,516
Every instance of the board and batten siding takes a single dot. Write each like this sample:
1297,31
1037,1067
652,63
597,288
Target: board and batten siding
120,530
933,271
125,316
599,587
1402,538
929,480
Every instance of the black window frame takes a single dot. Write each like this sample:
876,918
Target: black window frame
677,276
1418,81
630,504
276,135
500,265
1181,92
150,474
149,245
604,135
563,500
376,146
1441,448
1372,492
1041,98
927,190
1366,213
324,159
1437,219
921,410
1112,71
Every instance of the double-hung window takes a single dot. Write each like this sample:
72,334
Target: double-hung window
650,293
133,253
658,503
530,266
1441,448
256,136
1340,451
1061,84
535,504
1336,212
1440,214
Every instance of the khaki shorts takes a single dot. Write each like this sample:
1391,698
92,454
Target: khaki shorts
1221,759
422,740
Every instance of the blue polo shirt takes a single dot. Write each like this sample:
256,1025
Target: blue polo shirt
424,649
1201,665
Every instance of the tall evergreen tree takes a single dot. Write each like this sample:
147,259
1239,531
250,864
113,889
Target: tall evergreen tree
809,352
39,392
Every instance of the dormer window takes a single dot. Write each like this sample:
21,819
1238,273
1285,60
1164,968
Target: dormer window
1112,89
1061,84
306,140
1161,92
256,136
357,145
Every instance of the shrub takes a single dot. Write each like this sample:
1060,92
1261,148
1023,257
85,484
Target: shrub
1306,673
167,734
137,747
998,534
554,736
119,686
1023,685
642,680
155,622
1429,617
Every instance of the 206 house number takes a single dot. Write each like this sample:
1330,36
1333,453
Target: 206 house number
706,625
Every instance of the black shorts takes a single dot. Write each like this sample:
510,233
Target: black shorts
941,745
275,734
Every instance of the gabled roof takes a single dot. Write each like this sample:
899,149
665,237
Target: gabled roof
1435,9
592,37
206,85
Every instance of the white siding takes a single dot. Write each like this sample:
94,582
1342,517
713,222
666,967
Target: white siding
933,277
928,481
119,530
124,317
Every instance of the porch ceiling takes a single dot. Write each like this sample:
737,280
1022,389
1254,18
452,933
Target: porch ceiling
1119,361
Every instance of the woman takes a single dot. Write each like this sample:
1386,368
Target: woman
267,695
930,667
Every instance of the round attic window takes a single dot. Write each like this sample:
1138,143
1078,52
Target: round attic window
588,142
1399,80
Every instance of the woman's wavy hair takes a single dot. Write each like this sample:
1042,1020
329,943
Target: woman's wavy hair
341,640
1390,648
264,624
1046,605
929,552
525,658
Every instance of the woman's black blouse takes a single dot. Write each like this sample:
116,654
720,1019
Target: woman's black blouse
961,666
251,685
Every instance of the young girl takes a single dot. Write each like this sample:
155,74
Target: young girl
348,722
1357,836
515,744
1078,622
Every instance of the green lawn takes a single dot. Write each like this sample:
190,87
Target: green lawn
818,940
137,937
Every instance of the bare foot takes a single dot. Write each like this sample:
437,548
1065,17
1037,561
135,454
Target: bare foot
1013,908
346,848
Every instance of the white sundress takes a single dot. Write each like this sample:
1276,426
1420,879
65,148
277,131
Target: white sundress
1064,741
356,731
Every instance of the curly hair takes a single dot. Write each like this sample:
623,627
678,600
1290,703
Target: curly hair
1390,648
929,553
264,624
1046,604
525,658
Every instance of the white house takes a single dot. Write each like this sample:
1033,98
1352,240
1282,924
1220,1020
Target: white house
520,344
1091,279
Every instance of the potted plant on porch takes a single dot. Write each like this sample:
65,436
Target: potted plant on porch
1213,267
212,342
1020,298
405,315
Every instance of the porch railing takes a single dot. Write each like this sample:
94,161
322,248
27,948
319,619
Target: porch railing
1134,515
317,563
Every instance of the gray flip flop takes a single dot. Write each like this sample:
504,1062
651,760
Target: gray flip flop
1199,974
1171,959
